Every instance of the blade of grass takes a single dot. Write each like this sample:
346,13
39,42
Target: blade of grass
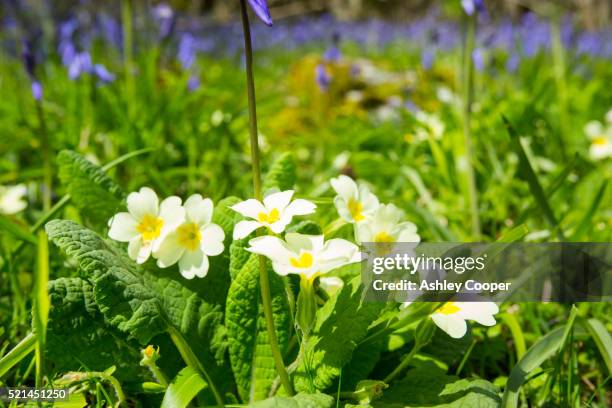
18,353
40,304
532,180
543,349
517,334
586,223
602,339
183,388
17,231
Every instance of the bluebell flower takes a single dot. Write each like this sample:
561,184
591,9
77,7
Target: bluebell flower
473,6
80,64
187,50
322,77
260,7
37,90
164,16
102,73
193,83
478,59
427,58
513,61
332,54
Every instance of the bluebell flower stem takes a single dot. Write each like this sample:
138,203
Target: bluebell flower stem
466,167
126,25
264,280
558,56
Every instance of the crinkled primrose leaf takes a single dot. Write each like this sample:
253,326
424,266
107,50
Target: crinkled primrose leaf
282,173
300,400
249,349
77,335
91,189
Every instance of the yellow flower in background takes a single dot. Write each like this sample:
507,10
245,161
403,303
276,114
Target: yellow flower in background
146,222
193,241
12,199
275,213
452,316
354,203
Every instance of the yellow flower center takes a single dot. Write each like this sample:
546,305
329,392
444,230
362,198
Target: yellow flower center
600,141
270,218
304,261
449,308
150,227
189,236
355,208
383,237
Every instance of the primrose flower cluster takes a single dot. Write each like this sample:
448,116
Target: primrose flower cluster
170,231
175,232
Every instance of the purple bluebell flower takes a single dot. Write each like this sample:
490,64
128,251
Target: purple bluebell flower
332,54
513,61
478,59
473,6
260,7
164,16
187,50
37,90
102,73
80,64
322,77
194,82
427,58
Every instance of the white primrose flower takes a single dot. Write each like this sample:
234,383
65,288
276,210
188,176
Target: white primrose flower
193,241
275,213
430,125
354,203
12,199
601,139
451,316
384,226
145,222
306,255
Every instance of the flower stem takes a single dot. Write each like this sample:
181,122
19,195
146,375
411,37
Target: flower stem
407,359
466,166
192,360
266,298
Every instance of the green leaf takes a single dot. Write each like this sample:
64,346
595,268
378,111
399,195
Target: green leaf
300,400
341,324
282,173
428,385
92,191
144,303
249,350
602,339
18,353
306,227
546,347
238,256
73,310
532,180
184,388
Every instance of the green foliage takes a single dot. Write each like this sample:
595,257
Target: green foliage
183,388
98,346
428,385
282,173
249,349
91,190
300,400
341,324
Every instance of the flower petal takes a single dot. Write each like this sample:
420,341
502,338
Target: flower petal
249,208
134,248
198,209
454,326
193,263
172,212
300,207
344,186
212,239
143,202
297,242
169,251
278,200
272,247
481,312
122,227
261,10
243,228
